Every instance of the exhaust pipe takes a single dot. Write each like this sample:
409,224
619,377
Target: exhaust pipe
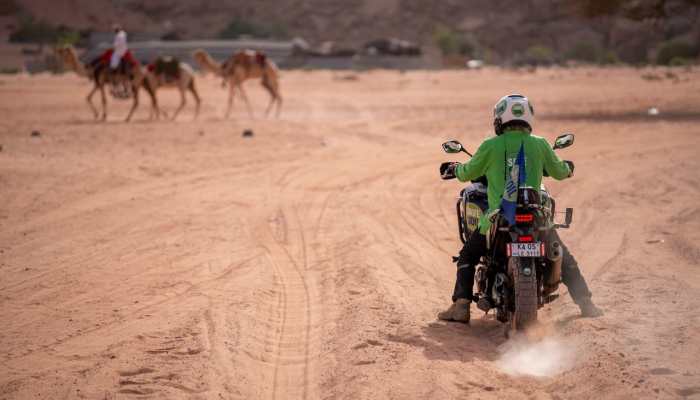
553,277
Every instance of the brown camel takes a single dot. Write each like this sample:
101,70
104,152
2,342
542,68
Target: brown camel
102,76
241,66
169,72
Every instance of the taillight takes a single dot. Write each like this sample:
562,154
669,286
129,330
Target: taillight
524,217
525,239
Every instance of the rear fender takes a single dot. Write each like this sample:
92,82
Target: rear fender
526,268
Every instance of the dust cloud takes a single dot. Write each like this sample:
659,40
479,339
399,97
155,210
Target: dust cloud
542,357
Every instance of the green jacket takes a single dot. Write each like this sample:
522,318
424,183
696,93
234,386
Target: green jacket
498,153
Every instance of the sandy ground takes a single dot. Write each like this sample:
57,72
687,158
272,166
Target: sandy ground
180,260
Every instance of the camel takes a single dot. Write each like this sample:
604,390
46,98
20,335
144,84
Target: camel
241,66
102,76
183,80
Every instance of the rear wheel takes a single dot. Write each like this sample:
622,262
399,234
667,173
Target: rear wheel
524,291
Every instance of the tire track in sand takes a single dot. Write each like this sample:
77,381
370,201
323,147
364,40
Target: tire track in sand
291,369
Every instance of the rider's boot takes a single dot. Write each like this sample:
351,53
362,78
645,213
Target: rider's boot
588,309
458,311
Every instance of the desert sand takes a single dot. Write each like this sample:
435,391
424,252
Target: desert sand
180,260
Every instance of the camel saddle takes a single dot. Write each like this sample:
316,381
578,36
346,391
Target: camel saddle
247,58
167,67
260,58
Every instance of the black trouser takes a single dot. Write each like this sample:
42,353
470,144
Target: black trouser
475,248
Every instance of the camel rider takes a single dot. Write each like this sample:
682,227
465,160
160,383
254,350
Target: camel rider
513,116
114,55
119,48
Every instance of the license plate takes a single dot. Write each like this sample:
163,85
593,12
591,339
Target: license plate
534,249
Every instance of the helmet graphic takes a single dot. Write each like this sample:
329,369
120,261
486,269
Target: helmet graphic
511,108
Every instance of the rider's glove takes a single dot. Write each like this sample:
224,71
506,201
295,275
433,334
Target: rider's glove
447,170
571,167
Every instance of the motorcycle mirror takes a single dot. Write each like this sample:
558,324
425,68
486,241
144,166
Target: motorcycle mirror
452,146
563,141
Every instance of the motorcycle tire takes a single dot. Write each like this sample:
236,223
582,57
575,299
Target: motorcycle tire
525,293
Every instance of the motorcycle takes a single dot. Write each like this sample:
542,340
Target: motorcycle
521,271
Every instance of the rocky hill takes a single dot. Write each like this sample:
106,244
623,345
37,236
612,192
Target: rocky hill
498,30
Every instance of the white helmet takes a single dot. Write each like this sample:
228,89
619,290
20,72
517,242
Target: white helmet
514,107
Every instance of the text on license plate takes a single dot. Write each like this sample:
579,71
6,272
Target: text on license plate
534,249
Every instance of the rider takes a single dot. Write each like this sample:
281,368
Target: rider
513,116
114,55
119,48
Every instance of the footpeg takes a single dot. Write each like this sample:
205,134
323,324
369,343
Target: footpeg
484,304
